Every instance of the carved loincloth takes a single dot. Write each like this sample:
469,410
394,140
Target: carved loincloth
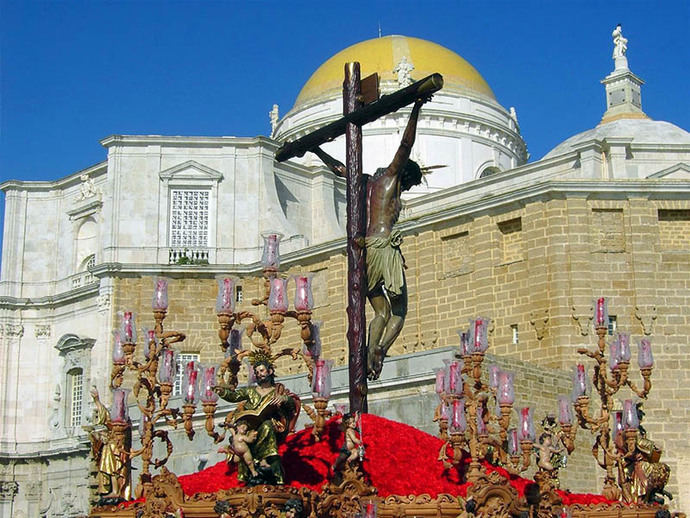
385,263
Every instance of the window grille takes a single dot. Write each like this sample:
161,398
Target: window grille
516,336
182,360
612,324
189,218
76,397
238,294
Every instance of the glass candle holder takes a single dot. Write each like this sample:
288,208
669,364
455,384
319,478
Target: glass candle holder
645,359
277,300
167,367
190,383
119,413
128,333
270,258
526,424
580,382
617,430
624,347
160,294
614,354
225,300
513,442
206,383
565,411
464,343
150,342
445,411
479,335
453,377
440,381
143,423
234,342
304,299
493,375
631,421
601,313
506,389
458,421
118,351
321,382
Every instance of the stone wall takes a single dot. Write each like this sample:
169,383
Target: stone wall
534,268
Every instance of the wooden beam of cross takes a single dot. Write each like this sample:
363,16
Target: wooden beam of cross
355,115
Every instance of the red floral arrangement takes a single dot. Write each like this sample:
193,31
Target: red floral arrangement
399,459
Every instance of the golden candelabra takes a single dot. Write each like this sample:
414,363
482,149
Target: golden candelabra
473,416
155,376
607,384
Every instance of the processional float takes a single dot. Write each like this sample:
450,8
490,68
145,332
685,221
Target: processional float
478,447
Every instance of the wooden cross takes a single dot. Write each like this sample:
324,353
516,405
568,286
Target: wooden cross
355,114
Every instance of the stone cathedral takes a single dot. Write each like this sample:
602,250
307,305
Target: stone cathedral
528,244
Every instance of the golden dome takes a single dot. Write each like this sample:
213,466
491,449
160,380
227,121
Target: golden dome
382,55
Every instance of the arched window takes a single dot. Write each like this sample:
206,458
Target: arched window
87,238
489,171
88,263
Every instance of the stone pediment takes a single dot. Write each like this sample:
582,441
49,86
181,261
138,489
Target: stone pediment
191,170
679,171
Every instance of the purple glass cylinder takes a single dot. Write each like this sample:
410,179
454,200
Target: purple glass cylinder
160,294
150,342
304,299
190,383
234,342
440,381
513,442
493,375
614,354
617,431
321,383
119,413
506,388
624,347
167,367
454,377
128,332
458,421
565,411
206,383
225,300
271,253
631,420
479,335
143,423
464,343
118,351
645,359
526,424
445,411
601,313
580,382
277,300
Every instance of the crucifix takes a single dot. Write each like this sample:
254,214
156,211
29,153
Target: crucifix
361,104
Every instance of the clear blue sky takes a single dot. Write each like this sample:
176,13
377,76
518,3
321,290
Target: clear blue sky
73,73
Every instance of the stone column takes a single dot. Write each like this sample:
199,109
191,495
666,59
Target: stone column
8,490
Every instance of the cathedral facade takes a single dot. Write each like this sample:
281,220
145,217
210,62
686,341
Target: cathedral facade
528,244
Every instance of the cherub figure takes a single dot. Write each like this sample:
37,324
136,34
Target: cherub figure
546,451
352,448
239,450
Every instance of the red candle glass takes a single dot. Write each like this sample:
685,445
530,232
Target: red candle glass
160,294
277,300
